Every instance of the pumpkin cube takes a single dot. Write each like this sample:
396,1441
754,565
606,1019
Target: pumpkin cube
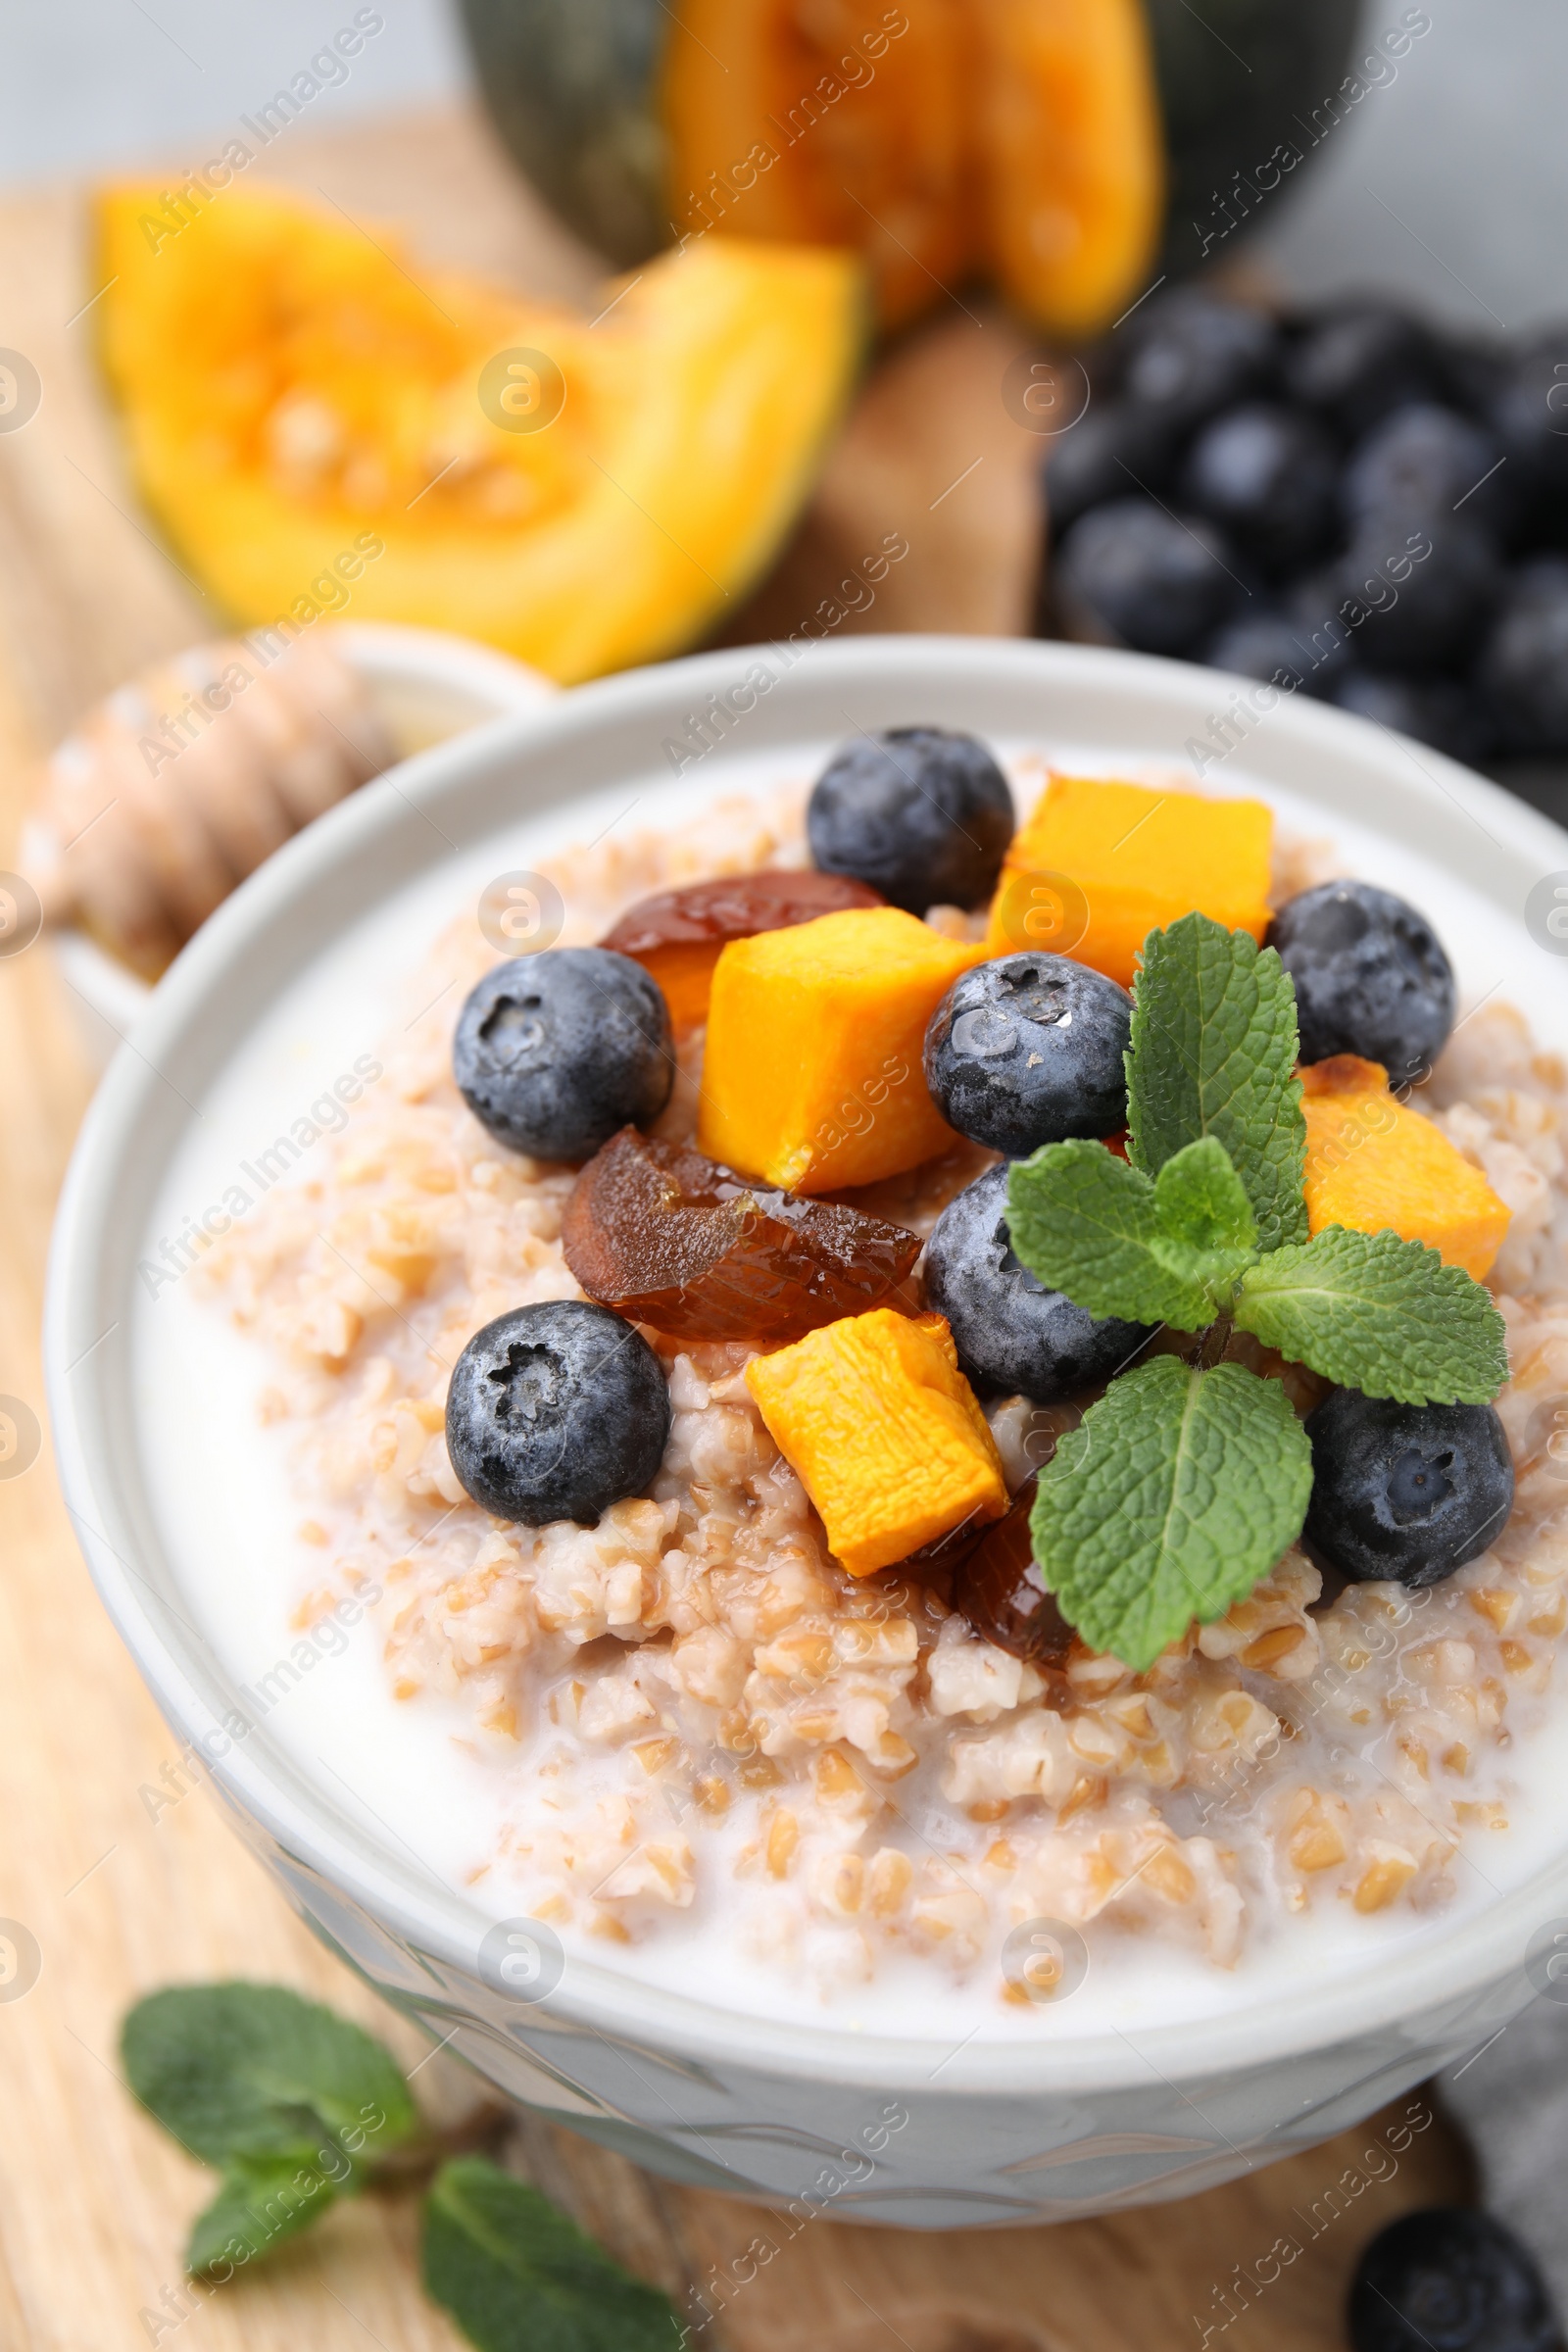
883,1432
1373,1164
811,1075
1097,866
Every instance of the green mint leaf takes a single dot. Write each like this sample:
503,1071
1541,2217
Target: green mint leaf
518,2277
1087,1224
249,2075
1373,1312
1208,1230
257,2207
1213,1053
1177,1492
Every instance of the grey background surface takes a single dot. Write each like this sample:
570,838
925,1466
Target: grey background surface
88,84
1448,183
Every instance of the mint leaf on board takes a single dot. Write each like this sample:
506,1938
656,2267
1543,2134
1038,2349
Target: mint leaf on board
1169,1252
518,2277
257,2205
1177,1492
248,2075
1373,1312
1213,1053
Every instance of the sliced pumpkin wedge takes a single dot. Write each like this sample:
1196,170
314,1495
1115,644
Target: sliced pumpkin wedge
821,123
1016,138
303,406
1071,156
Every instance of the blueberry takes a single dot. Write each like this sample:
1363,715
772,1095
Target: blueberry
556,1411
1405,1493
1269,476
1028,1049
1441,712
1448,2281
1523,671
1417,600
1109,453
1137,574
1420,465
924,816
1012,1335
1371,977
554,1052
1264,645
1191,354
1357,363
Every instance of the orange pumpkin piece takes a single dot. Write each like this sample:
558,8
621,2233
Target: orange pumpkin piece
677,935
812,1076
587,493
1098,865
1069,151
817,123
1376,1166
1022,137
884,1433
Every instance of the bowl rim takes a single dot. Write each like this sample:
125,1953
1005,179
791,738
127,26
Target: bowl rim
1412,1986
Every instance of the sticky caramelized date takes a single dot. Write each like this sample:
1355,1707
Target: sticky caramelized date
1000,1588
674,1239
676,935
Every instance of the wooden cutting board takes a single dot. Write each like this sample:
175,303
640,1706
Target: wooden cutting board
123,1894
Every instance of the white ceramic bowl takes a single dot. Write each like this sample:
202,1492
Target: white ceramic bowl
996,2131
427,685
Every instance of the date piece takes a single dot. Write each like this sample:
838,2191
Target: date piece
670,1238
1000,1588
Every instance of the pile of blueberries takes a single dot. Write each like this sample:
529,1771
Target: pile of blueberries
1348,504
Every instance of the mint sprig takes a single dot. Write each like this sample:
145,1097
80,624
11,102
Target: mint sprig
297,2107
1177,1492
1184,1486
1213,1053
1373,1312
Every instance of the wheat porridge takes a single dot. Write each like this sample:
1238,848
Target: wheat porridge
676,1726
